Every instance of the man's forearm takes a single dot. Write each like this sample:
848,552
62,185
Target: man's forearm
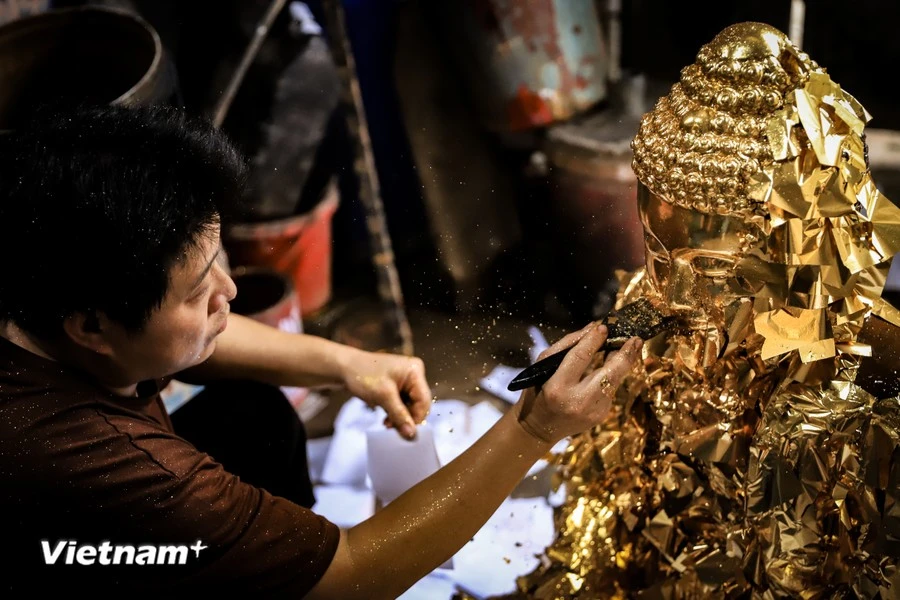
251,350
425,526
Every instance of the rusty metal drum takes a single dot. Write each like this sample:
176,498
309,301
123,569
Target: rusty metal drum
594,199
527,63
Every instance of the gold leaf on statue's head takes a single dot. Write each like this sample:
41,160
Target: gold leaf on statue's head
760,159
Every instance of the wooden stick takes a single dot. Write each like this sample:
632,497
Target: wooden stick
388,281
259,36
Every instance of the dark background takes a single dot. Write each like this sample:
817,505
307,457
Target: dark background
856,42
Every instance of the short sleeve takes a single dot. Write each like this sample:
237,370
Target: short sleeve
128,481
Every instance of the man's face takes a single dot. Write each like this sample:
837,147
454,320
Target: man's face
691,256
183,331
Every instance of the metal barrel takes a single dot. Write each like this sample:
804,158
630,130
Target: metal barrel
527,63
83,55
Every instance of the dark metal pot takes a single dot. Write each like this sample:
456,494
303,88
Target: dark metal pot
92,55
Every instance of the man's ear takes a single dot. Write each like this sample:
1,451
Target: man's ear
88,330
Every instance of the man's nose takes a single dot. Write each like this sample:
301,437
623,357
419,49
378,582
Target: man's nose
230,288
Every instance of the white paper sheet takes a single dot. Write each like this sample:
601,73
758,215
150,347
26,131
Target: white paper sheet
505,548
316,452
498,379
346,460
459,427
396,464
177,394
344,505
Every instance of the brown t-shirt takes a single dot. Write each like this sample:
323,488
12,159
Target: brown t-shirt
80,466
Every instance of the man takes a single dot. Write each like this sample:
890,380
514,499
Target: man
757,453
112,284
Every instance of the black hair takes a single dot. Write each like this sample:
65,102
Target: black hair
97,204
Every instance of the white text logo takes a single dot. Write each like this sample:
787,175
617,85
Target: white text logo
72,553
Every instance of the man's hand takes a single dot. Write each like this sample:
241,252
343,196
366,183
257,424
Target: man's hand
251,350
394,382
384,555
576,397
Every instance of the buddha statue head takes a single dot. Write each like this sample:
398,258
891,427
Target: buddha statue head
757,202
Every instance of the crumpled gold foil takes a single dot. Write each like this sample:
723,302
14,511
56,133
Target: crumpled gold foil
740,459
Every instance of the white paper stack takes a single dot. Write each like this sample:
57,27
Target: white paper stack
364,461
498,379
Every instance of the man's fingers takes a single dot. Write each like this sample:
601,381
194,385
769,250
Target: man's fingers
399,414
617,366
566,341
418,399
579,357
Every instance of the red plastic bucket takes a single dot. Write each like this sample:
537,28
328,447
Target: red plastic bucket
298,246
269,297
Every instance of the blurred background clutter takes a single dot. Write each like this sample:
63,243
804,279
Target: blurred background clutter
465,156
450,179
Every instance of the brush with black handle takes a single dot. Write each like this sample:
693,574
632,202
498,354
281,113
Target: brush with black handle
639,319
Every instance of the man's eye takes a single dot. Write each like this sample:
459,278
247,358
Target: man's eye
711,266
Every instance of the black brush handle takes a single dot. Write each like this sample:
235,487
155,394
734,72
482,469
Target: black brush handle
537,374
635,319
